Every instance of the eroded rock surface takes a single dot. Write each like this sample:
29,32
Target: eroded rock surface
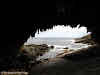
35,50
85,40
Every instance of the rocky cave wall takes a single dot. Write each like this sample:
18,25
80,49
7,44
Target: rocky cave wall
16,38
19,22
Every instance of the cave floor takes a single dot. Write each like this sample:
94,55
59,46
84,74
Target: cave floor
62,66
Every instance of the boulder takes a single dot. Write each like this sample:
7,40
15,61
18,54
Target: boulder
34,50
83,39
52,47
62,54
65,48
84,52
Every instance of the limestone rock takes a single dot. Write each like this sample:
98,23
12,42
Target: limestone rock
84,37
86,40
34,50
84,52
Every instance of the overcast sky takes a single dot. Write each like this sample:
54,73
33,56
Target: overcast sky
63,32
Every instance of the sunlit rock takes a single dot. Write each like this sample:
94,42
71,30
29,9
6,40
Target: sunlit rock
64,52
83,52
84,38
35,50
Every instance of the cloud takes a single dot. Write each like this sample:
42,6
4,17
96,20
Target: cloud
64,32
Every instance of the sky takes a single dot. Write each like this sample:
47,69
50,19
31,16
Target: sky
64,32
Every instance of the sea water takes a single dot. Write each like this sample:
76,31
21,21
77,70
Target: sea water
59,45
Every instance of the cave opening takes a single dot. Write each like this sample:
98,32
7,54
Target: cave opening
22,21
60,39
48,42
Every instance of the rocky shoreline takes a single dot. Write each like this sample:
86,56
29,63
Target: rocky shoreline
26,59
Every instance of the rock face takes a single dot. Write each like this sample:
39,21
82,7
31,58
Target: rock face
60,55
84,52
26,58
35,50
82,39
86,39
21,26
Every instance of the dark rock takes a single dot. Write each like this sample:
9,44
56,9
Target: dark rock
51,46
65,48
71,50
84,53
35,50
44,45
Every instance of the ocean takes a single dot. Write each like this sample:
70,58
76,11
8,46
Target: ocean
58,43
50,41
63,42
